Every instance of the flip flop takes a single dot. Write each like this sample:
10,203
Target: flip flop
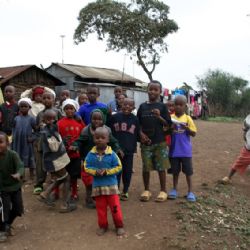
162,196
172,195
191,197
145,196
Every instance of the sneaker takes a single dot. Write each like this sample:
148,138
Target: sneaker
37,190
225,180
124,196
68,208
120,231
101,231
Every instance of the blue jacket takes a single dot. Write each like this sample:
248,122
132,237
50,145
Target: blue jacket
109,161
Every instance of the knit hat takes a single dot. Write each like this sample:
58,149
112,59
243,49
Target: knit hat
70,102
37,91
27,100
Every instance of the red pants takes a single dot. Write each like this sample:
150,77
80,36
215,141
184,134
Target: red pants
243,161
86,178
102,203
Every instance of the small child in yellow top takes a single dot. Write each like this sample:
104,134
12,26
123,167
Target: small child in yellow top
180,152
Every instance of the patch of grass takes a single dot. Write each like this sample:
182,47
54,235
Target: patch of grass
220,216
225,119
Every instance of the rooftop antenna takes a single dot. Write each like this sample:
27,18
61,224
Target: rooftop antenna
62,36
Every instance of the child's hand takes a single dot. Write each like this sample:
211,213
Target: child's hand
156,112
120,153
101,172
145,139
72,148
16,176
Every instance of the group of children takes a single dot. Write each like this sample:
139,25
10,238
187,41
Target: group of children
56,140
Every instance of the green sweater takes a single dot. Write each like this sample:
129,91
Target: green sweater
10,163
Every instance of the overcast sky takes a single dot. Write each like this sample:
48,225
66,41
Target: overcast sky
213,34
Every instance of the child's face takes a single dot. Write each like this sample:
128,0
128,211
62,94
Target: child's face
82,99
48,100
120,100
38,98
101,140
96,120
128,106
154,91
69,111
50,118
179,106
3,144
170,106
92,94
117,92
9,93
64,95
24,108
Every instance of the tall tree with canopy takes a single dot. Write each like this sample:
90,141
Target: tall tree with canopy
138,26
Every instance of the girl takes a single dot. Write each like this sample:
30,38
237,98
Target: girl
85,143
70,129
153,116
11,204
55,160
82,99
22,135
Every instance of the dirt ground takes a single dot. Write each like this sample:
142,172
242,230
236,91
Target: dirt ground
168,225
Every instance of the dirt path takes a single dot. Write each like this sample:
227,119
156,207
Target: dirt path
170,225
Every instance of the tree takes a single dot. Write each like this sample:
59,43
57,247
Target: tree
139,27
227,94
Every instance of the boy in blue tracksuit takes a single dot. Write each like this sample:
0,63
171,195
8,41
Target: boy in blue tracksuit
104,165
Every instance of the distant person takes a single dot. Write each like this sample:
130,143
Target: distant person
64,94
180,152
104,165
125,128
243,161
113,105
11,172
153,116
93,92
8,111
82,99
22,140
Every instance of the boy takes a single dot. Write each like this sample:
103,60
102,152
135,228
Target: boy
125,128
112,105
153,116
48,101
11,170
93,92
180,152
103,164
8,110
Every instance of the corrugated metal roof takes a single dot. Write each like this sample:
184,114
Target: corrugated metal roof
9,72
98,73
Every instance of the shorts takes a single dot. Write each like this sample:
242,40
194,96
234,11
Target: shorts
183,164
154,157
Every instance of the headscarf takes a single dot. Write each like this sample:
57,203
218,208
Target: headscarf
97,111
25,99
37,91
70,102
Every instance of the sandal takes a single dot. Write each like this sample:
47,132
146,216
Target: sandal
124,197
172,194
120,231
145,196
68,208
101,231
162,196
191,197
37,190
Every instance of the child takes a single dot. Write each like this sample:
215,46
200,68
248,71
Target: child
36,94
11,170
86,142
70,130
8,110
112,105
82,99
103,164
243,160
93,92
48,101
153,115
22,135
180,152
55,160
125,128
